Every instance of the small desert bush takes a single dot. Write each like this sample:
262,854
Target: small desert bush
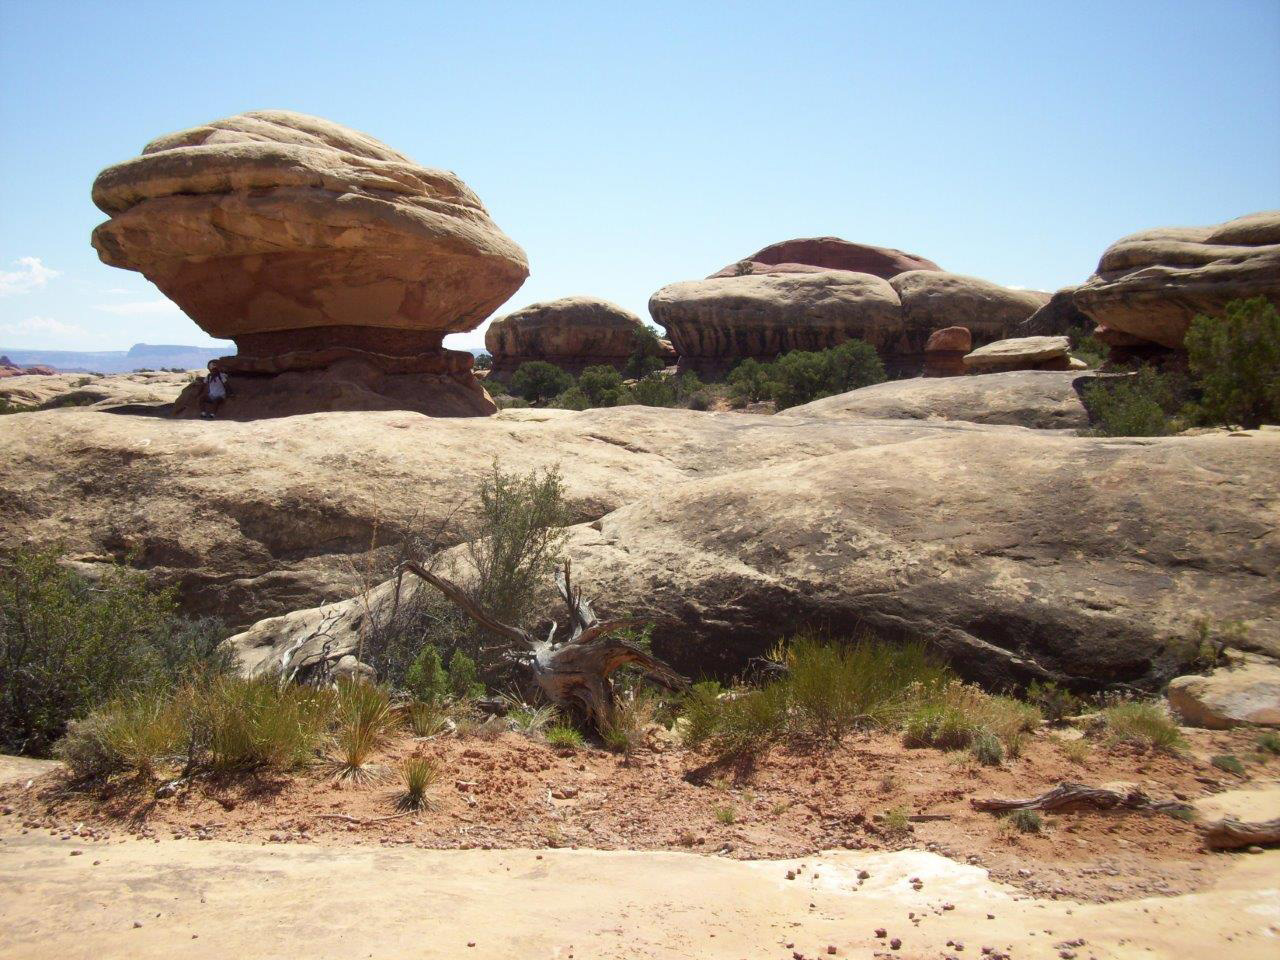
1269,743
960,713
987,750
602,386
426,680
1142,723
654,390
1235,364
531,721
538,381
1026,821
135,734
68,645
464,683
418,774
427,719
1054,702
1076,751
740,725
634,711
1228,762
563,736
896,821
803,375
257,723
726,815
1134,406
365,720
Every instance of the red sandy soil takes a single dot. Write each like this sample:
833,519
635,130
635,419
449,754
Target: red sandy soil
512,791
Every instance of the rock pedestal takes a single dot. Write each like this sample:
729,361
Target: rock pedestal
573,333
945,350
326,255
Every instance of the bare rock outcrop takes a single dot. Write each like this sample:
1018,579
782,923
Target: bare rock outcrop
312,245
715,323
1040,399
1150,285
572,332
1057,318
1022,353
1007,549
1245,693
812,254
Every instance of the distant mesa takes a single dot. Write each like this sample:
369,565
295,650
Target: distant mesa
573,333
1150,285
336,264
895,303
810,254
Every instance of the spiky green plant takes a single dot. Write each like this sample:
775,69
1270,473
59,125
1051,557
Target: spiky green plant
419,774
365,720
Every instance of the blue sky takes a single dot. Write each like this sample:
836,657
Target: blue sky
626,147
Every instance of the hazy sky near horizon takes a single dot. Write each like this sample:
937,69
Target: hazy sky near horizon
629,147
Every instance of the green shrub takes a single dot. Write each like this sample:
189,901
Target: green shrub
426,680
741,725
1085,346
987,749
68,645
134,733
896,821
654,390
1133,406
633,713
419,774
726,815
538,381
365,720
750,381
1269,742
1235,364
563,736
484,361
959,714
1026,821
646,355
1142,723
428,719
571,399
508,402
602,386
463,681
1228,762
531,721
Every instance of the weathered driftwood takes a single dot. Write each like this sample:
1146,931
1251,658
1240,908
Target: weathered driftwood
1231,834
1066,796
575,672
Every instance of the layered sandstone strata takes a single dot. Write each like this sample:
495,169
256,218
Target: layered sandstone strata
811,254
320,251
1023,353
1150,285
573,333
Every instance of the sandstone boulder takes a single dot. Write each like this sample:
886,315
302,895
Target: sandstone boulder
715,323
572,332
1041,399
1245,694
932,300
1058,317
1153,283
1007,549
308,243
945,350
1021,353
827,253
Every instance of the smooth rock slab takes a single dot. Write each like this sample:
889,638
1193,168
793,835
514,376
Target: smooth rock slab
1249,693
1021,353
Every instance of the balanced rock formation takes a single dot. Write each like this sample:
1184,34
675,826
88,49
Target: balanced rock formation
715,323
1023,353
944,352
327,256
1150,285
1040,399
1246,693
812,254
572,332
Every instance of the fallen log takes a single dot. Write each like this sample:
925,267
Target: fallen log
1068,796
573,673
1229,834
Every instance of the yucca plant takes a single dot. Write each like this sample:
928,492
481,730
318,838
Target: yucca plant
531,721
419,775
365,720
427,719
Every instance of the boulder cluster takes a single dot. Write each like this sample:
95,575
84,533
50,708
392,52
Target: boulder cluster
330,259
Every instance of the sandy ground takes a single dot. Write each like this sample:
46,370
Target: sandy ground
182,898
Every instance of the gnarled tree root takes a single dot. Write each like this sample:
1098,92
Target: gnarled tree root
1074,796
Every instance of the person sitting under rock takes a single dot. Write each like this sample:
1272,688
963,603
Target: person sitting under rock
215,391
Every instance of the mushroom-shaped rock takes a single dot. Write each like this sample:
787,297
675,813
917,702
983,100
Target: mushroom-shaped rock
811,254
317,249
572,332
1152,284
715,323
945,350
1021,353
